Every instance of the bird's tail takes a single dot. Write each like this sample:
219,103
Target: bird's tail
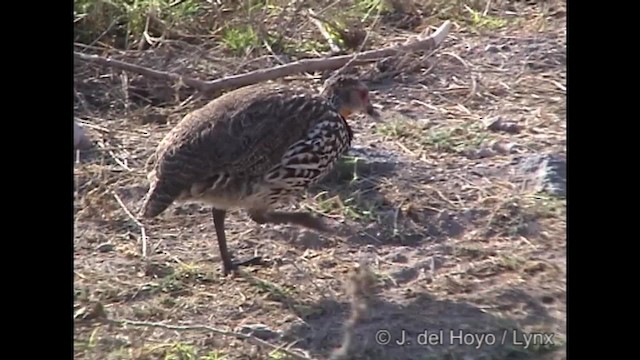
158,199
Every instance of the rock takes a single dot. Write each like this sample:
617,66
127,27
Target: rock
495,148
80,139
503,147
548,172
405,275
481,153
398,258
309,239
497,124
92,311
260,331
497,48
105,247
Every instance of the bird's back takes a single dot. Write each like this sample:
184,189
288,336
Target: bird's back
240,135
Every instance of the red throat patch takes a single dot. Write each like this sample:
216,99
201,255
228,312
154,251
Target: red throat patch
345,113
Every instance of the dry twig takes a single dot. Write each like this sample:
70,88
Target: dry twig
352,61
423,42
143,232
317,21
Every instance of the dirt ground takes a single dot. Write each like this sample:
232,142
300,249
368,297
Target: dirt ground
451,210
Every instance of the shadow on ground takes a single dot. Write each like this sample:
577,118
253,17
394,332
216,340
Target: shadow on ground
356,191
424,328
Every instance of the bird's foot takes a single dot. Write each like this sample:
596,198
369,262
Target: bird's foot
231,266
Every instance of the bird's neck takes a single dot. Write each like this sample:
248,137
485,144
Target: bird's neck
345,112
337,104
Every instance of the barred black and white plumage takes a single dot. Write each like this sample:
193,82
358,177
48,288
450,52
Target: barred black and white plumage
254,148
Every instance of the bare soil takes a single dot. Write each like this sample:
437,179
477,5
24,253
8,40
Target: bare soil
445,208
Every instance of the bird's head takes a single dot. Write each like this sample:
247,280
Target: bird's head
349,95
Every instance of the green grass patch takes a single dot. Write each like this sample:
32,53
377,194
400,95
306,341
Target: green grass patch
354,206
478,20
240,39
307,46
517,215
546,206
88,344
370,8
177,351
451,139
273,291
277,355
469,12
123,22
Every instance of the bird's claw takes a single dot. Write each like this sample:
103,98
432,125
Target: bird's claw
232,266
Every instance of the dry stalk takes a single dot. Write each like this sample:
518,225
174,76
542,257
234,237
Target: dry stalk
114,157
423,42
360,288
143,232
317,21
353,59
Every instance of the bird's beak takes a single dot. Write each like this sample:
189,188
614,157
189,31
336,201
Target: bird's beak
371,111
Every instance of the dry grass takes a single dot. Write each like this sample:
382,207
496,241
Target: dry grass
455,240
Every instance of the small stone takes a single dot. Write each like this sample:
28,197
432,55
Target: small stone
405,275
546,299
80,139
260,331
90,312
105,247
309,239
398,258
497,48
485,153
503,147
497,124
492,48
481,153
548,172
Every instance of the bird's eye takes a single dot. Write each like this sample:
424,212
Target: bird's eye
364,95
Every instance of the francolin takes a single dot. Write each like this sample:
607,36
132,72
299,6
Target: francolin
255,148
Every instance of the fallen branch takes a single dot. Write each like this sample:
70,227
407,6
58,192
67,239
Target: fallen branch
422,42
252,339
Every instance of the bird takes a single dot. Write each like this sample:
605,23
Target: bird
255,148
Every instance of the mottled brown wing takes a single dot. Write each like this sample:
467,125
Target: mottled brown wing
242,136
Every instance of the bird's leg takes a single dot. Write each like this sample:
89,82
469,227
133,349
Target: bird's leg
218,222
303,219
227,264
